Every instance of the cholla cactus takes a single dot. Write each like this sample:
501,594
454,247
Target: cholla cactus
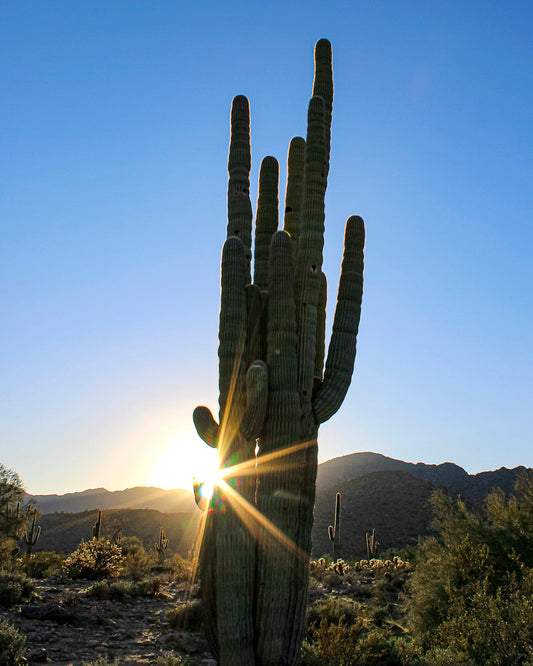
275,390
161,545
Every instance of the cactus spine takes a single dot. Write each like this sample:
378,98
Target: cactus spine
161,545
334,531
97,526
31,537
274,390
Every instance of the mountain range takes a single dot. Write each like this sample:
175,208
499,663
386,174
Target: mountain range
378,492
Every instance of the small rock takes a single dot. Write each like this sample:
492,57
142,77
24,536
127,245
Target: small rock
37,654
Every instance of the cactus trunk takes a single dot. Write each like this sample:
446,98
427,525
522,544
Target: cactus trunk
274,391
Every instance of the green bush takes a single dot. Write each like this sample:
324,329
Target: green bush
93,560
121,590
332,610
470,597
186,616
171,660
12,645
102,661
183,570
14,588
43,564
137,564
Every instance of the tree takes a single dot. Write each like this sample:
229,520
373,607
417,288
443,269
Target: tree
471,594
12,519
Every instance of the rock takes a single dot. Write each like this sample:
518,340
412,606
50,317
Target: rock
53,611
37,654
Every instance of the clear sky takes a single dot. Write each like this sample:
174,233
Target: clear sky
114,141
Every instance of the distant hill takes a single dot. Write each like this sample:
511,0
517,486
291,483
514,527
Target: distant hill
393,503
474,487
62,532
140,497
381,493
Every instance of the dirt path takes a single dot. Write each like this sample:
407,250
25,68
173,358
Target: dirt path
66,626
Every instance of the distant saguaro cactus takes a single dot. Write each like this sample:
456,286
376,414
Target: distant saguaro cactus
274,389
372,546
334,531
161,545
31,537
97,526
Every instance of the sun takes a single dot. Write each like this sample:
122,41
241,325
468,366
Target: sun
182,459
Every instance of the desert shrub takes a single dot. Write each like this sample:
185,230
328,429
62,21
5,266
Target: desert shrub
14,588
171,660
43,564
131,544
186,616
120,590
137,564
331,610
102,661
10,557
471,593
342,644
182,569
12,645
93,560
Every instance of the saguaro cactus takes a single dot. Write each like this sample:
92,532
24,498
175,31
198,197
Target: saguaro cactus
372,546
31,537
97,526
334,531
274,390
161,545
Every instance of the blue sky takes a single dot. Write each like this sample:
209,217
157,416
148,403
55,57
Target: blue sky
114,146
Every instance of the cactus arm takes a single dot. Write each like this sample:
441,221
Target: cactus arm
294,190
323,87
239,165
321,327
256,324
342,347
266,219
231,350
309,264
205,425
257,400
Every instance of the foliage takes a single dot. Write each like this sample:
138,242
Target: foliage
12,645
186,616
43,564
14,587
342,644
12,518
471,594
93,560
171,660
137,563
183,569
331,610
121,590
9,554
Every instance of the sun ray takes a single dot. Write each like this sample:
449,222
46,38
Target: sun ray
252,517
